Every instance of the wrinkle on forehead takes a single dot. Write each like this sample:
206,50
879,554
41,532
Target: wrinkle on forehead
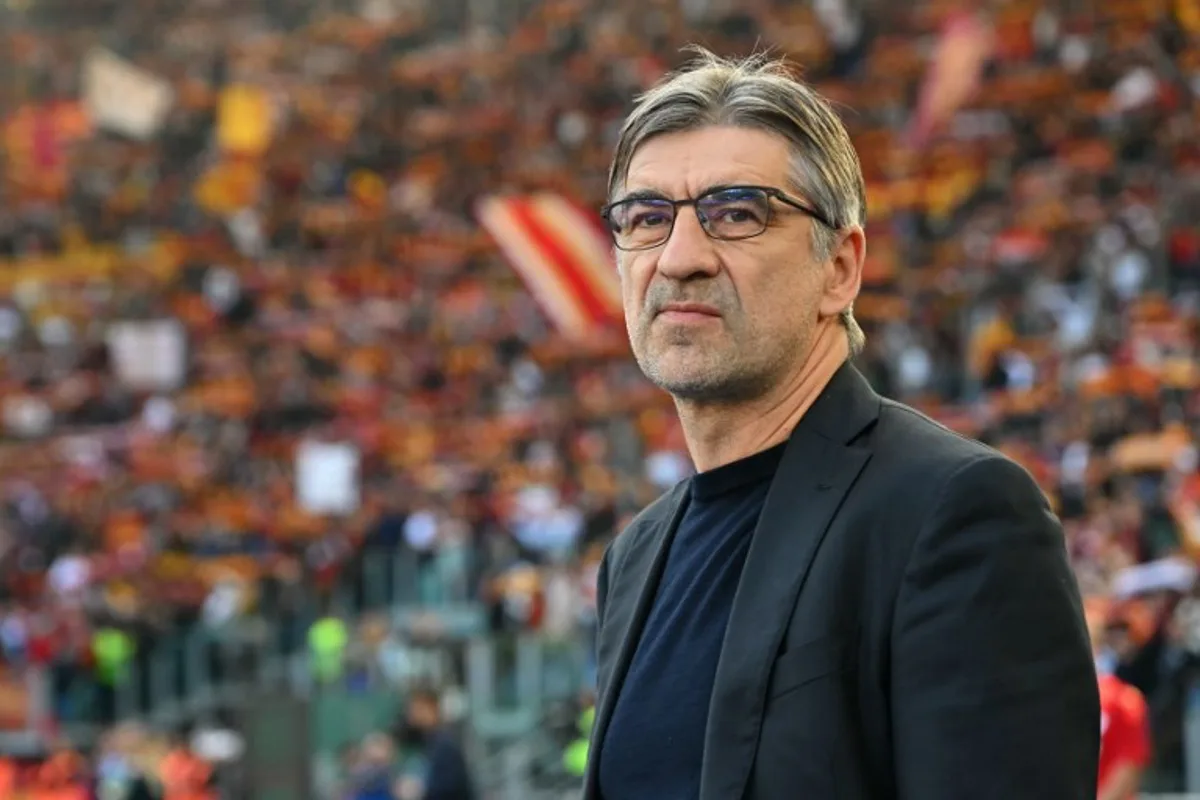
686,164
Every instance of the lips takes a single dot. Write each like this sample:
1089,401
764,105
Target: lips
690,309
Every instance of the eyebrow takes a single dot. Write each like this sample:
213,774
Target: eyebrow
641,194
654,194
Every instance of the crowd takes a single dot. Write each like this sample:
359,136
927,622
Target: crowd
420,756
267,332
129,763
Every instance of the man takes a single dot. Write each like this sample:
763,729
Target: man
1124,722
446,774
373,773
848,600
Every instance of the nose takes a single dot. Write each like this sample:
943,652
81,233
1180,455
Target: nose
688,252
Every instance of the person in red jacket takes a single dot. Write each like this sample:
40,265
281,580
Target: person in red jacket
1124,724
60,777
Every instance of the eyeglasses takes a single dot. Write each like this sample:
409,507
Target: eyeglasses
726,212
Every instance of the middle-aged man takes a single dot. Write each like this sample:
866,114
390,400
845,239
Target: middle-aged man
848,600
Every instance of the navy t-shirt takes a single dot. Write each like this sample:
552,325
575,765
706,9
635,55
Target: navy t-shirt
654,744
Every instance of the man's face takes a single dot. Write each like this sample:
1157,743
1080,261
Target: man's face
423,714
377,751
755,301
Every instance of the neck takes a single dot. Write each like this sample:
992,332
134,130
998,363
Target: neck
718,435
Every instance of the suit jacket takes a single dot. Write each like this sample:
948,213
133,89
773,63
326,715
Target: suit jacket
906,625
447,776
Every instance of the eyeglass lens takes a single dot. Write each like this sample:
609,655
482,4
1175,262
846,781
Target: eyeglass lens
736,213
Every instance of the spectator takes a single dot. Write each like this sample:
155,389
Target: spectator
374,774
327,642
445,775
1124,724
183,314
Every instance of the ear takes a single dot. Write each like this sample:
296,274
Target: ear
843,271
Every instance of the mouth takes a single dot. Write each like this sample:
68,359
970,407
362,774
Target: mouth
689,312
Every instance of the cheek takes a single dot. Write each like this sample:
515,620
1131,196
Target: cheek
778,299
633,285
629,294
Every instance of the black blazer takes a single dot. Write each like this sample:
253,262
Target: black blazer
906,625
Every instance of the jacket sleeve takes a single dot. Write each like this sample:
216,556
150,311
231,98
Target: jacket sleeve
994,691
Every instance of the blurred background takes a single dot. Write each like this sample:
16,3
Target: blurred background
315,409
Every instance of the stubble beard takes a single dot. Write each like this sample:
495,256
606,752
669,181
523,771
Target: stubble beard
702,374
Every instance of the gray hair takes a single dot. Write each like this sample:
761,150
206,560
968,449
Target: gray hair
758,92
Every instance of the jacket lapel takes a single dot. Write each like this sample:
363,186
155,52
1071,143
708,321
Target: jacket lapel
638,574
818,468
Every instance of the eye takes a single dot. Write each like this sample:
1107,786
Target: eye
735,211
641,215
650,218
735,214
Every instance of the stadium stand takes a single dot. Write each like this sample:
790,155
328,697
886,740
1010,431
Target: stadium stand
286,436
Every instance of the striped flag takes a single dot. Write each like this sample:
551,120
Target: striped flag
954,75
563,256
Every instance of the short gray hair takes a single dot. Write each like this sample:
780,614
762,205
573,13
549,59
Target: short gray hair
763,93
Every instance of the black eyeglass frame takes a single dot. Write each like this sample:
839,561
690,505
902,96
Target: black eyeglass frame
770,191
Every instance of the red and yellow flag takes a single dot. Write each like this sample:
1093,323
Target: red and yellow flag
563,256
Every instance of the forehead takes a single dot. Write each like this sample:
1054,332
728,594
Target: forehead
685,164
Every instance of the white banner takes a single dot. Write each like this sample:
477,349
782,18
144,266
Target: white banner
149,355
124,98
1163,575
327,477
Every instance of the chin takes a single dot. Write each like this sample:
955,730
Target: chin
700,386
708,378
698,391
670,366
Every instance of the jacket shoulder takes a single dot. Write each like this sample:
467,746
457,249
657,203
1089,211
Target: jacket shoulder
907,433
648,521
921,456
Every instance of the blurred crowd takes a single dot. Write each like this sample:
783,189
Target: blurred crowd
129,763
262,333
419,757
